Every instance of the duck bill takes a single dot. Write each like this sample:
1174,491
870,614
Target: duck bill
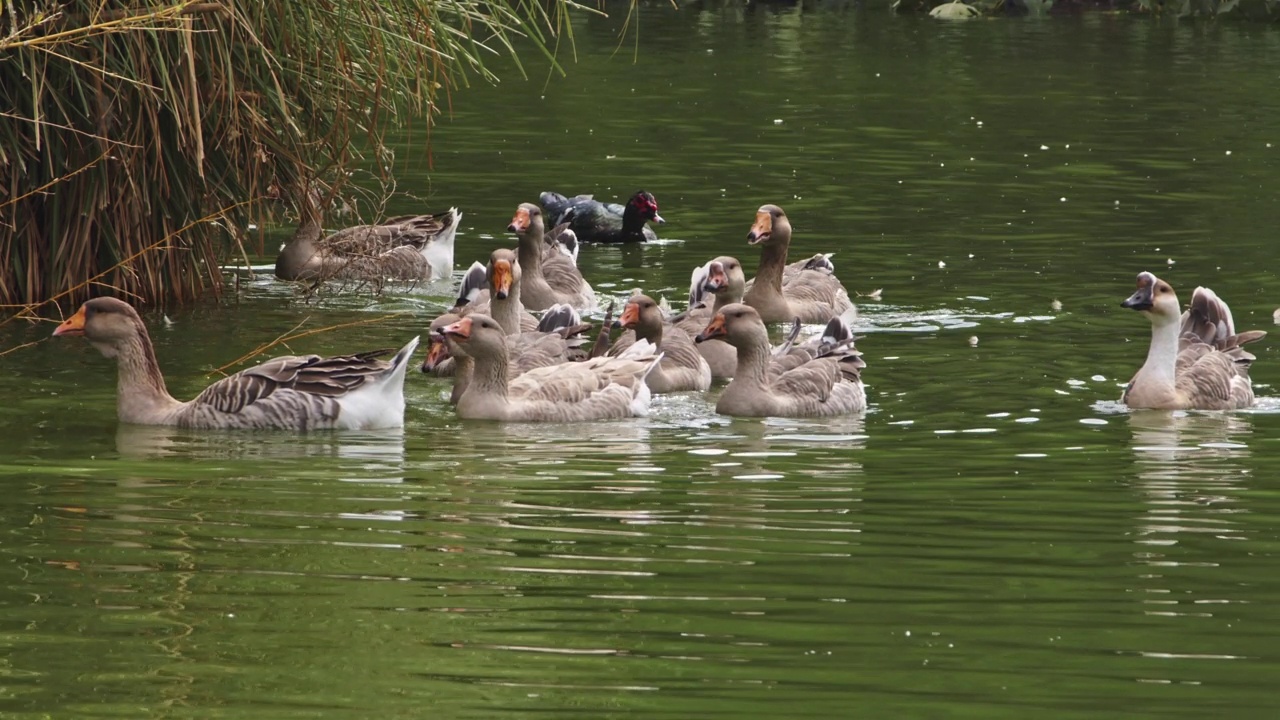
520,222
761,229
658,218
436,354
630,316
460,330
1139,300
502,278
714,329
73,325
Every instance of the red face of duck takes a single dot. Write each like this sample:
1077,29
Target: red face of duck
501,279
647,204
460,330
73,325
714,329
521,222
762,228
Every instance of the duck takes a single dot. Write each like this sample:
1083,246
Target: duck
1196,360
557,339
813,295
719,282
799,384
406,248
304,392
550,276
597,222
596,389
683,367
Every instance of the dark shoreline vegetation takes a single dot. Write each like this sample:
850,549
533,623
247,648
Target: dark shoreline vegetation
136,141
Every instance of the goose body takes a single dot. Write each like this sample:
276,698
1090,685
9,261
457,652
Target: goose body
780,293
408,248
357,392
596,389
594,221
682,368
550,276
798,383
1196,360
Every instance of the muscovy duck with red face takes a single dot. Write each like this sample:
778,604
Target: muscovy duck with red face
598,222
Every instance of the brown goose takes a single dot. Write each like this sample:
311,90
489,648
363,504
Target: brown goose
813,296
794,386
406,248
501,298
550,275
354,392
1196,359
724,279
682,367
557,339
596,389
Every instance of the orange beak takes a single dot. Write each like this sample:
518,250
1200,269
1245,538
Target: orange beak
716,278
436,354
761,229
714,329
501,278
73,325
460,329
630,316
520,222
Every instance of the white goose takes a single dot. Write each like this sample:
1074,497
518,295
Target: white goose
1196,359
353,392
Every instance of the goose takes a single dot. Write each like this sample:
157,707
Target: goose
596,389
557,339
351,392
1196,360
550,277
501,298
813,296
796,385
594,221
406,248
683,367
724,279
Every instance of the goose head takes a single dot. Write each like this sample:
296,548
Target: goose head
641,311
476,336
725,275
527,216
503,272
645,205
738,324
771,225
1155,299
437,348
106,322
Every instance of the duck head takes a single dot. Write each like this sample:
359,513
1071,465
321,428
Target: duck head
646,206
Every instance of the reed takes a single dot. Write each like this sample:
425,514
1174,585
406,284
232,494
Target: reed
135,135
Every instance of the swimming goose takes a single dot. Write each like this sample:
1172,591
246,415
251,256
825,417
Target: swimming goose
550,276
406,248
1196,359
724,279
557,339
813,296
352,392
682,367
595,389
501,299
820,385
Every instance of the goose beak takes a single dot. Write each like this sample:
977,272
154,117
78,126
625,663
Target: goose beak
716,278
502,278
73,325
630,316
714,329
520,222
761,229
460,329
436,354
1141,299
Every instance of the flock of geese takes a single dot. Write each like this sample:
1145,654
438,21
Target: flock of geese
510,364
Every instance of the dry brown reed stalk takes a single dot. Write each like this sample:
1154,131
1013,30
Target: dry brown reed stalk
123,120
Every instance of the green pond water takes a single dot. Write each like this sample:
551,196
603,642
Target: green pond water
996,538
